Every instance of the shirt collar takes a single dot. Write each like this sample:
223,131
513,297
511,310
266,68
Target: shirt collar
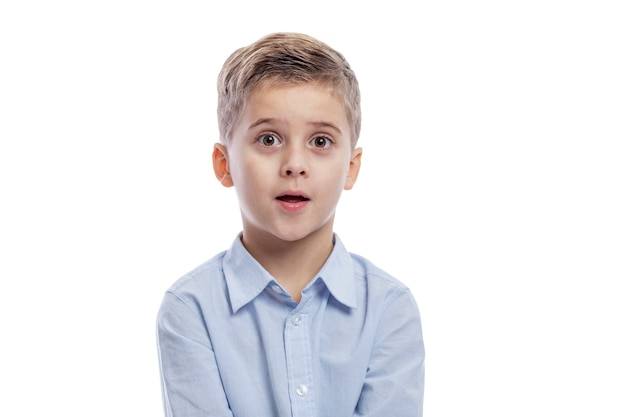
246,278
338,275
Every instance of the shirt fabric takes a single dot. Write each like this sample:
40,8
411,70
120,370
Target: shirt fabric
232,342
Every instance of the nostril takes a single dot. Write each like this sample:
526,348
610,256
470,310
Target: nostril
292,172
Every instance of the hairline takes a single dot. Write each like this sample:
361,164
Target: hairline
277,82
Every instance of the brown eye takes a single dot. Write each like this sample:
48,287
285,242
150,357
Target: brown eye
268,139
321,142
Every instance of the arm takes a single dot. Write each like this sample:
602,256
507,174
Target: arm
190,381
394,382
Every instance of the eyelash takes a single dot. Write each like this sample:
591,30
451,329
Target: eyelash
262,136
328,142
277,141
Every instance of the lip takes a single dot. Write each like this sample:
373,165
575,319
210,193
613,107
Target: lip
293,200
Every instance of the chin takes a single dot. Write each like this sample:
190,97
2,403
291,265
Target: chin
297,234
292,236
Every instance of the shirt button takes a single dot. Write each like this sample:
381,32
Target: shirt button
277,289
302,390
296,320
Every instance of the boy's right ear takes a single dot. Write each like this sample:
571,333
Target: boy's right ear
220,165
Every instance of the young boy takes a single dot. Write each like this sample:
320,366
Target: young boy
287,322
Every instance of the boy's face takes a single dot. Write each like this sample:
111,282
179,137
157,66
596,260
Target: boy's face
289,158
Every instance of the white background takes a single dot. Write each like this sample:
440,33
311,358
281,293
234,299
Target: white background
493,184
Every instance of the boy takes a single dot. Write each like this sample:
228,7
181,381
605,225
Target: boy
287,322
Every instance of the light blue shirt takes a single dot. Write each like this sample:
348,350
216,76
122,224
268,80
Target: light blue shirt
232,342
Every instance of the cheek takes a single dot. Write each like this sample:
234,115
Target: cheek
250,173
335,178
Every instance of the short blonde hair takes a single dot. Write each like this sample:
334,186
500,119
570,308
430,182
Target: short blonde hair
284,59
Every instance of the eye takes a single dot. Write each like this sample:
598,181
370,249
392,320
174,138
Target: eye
321,142
268,139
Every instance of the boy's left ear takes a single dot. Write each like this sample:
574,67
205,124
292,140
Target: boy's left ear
220,165
353,169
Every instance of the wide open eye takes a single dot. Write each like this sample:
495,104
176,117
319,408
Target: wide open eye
268,139
321,142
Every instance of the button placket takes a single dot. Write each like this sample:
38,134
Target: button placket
302,390
299,366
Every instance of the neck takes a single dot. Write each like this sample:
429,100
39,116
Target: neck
292,263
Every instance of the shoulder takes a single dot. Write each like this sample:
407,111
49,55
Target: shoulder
365,269
199,275
384,301
194,286
375,282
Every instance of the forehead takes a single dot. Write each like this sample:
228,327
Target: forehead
307,100
271,84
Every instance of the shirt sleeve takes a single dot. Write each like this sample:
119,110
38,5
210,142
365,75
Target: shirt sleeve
190,380
394,382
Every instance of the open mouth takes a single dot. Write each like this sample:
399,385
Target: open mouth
287,198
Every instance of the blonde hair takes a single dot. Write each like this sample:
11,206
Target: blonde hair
284,59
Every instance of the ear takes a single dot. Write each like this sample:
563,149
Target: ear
353,169
220,165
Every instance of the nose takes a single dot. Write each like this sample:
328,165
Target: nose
294,163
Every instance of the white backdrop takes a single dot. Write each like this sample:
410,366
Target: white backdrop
493,184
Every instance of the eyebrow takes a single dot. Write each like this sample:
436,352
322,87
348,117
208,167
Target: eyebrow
318,124
260,122
326,124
